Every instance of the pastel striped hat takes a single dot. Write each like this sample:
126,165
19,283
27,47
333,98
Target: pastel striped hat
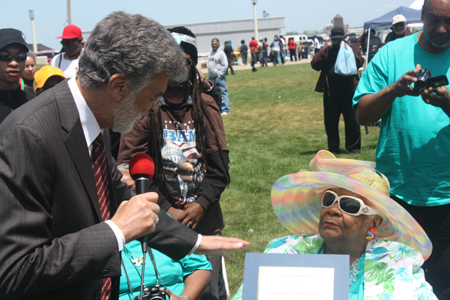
296,199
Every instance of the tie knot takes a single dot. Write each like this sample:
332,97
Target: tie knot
98,142
97,147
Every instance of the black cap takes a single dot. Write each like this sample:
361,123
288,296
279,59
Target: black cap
10,36
337,32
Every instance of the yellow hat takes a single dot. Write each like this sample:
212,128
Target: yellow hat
41,76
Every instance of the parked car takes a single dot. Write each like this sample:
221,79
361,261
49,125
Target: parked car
48,53
353,38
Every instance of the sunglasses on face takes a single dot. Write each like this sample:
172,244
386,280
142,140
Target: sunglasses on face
157,102
68,42
347,204
5,57
188,62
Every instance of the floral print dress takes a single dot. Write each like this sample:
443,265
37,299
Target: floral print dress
391,270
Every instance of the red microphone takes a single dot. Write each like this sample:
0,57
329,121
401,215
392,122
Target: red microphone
142,169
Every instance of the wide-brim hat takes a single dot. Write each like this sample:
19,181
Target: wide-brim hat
296,199
337,32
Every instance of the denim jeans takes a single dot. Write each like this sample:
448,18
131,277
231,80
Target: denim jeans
276,58
221,82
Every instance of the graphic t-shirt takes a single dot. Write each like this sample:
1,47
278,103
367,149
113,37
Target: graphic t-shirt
183,165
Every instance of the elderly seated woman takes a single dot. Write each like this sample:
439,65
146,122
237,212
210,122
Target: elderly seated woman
183,279
342,206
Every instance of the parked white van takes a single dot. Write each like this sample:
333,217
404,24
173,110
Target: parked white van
299,38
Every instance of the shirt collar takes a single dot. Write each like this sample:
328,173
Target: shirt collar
89,123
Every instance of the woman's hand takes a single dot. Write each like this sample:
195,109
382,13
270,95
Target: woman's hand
202,80
175,212
192,214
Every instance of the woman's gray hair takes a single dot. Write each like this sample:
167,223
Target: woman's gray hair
132,45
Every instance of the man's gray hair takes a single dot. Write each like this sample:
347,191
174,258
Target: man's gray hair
132,45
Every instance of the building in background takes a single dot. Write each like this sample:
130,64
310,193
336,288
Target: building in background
234,30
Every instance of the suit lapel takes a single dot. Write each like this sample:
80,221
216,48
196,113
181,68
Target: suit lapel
76,142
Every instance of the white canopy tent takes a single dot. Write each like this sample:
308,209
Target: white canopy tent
417,4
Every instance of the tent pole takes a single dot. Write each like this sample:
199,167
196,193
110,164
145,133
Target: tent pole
368,43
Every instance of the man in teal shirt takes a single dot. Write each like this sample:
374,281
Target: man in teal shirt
413,149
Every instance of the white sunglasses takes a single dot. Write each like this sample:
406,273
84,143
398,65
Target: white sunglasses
347,204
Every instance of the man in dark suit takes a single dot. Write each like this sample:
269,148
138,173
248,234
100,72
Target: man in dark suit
61,225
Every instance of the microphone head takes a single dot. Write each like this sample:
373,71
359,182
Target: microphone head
142,164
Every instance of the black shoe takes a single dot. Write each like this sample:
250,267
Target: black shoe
232,73
254,70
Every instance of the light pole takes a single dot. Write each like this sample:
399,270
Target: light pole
31,12
255,19
69,18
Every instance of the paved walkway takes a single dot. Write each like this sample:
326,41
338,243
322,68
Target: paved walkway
248,66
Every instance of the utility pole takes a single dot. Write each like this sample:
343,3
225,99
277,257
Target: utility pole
31,13
255,19
69,19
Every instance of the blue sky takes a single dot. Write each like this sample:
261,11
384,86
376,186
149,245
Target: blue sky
300,15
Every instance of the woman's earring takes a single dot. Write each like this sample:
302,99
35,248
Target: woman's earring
372,234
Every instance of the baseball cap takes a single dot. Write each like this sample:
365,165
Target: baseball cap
398,19
71,32
337,32
10,36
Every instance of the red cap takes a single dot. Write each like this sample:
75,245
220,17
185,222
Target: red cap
142,164
71,32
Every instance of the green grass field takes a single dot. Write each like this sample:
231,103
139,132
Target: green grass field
275,128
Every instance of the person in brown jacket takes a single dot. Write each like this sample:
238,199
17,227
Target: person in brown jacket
186,139
338,93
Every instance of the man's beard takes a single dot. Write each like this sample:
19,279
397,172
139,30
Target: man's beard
400,32
430,39
126,114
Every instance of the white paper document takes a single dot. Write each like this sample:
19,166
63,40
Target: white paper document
294,283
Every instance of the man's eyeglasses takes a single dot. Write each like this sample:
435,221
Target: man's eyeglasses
68,42
348,204
188,62
157,102
5,57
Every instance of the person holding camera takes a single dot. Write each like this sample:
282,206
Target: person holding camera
183,279
338,93
412,149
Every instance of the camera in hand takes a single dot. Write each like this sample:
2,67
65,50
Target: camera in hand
154,294
426,80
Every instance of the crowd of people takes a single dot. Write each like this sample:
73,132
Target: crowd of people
73,227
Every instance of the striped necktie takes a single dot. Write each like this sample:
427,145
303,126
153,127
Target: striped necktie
99,166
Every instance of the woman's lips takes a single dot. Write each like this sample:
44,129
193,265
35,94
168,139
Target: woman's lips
328,224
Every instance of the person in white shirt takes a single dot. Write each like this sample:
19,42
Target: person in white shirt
67,61
317,45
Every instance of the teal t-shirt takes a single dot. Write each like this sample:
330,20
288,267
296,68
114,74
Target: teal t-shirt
413,148
172,271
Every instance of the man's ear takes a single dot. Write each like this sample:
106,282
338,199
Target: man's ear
118,87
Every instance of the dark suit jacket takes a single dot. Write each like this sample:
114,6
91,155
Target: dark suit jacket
53,244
